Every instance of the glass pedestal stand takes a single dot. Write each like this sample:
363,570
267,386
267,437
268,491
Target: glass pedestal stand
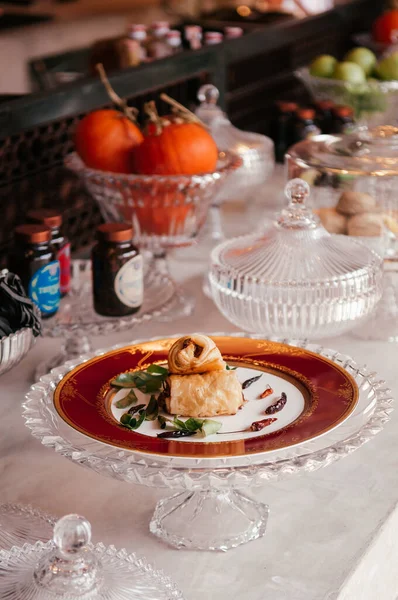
209,519
212,511
76,319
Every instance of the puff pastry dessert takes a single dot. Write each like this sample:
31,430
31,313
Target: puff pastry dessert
199,384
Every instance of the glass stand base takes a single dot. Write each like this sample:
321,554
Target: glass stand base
73,347
209,520
183,305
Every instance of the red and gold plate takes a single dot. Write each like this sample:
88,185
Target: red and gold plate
320,396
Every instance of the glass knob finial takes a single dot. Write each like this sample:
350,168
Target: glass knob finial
72,533
208,93
297,190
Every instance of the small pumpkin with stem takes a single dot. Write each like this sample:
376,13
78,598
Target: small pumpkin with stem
178,144
105,138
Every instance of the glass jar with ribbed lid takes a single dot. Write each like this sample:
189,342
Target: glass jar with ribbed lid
296,279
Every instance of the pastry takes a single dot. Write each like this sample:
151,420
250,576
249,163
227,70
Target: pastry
332,221
204,395
355,203
194,354
367,225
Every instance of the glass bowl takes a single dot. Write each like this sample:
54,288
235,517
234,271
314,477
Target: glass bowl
296,278
165,210
374,103
14,347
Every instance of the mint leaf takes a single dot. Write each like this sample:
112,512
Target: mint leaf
152,409
158,369
210,427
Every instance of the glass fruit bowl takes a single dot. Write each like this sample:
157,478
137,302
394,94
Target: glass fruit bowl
296,279
374,102
165,210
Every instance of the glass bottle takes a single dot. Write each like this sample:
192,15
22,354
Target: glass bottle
53,220
173,39
305,124
193,35
157,46
138,34
324,115
283,128
343,119
34,259
213,37
117,271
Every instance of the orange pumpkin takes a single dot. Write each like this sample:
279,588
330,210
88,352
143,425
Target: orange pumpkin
175,147
105,139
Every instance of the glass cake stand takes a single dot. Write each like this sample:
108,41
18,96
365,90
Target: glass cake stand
216,485
76,319
71,567
23,525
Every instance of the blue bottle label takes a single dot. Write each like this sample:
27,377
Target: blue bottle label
44,288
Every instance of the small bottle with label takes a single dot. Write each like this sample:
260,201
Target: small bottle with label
193,34
324,115
157,46
53,220
305,125
133,47
173,39
343,120
34,259
282,128
118,287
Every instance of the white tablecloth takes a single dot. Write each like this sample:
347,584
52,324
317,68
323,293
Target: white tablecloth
331,534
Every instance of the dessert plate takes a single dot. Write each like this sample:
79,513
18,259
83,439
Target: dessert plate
320,396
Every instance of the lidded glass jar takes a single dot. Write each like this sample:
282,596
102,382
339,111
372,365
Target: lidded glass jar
256,151
354,179
296,280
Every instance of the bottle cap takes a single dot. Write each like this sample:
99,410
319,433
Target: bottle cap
233,32
173,34
138,32
159,27
343,111
306,113
46,216
324,105
115,232
285,106
32,234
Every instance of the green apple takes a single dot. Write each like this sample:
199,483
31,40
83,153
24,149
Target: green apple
387,69
364,58
350,72
323,66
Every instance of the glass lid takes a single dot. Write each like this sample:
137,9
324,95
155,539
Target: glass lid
295,250
365,152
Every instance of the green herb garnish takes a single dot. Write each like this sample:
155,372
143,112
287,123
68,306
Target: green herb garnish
175,427
131,398
152,409
148,381
231,368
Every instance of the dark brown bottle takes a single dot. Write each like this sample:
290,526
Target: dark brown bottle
117,271
324,115
53,220
305,125
343,119
283,129
34,259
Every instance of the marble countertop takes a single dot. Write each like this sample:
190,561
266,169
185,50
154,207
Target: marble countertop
331,534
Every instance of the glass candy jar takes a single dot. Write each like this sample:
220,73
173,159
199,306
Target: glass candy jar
70,567
354,190
296,279
255,150
353,179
